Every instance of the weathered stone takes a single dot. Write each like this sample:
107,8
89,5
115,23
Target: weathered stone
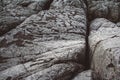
60,4
15,12
28,71
62,71
86,75
118,24
104,43
49,45
109,9
48,39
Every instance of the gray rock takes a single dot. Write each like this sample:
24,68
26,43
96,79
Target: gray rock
15,12
85,75
49,45
48,39
105,46
109,9
118,24
59,4
62,71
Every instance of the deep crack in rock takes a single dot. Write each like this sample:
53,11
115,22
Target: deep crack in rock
59,39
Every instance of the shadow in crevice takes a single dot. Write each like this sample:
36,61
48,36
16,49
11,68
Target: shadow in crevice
87,53
47,5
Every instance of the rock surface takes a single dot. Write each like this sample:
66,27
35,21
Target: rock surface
49,45
15,12
50,40
104,42
109,9
86,75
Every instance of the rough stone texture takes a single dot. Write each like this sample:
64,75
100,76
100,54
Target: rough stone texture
86,75
15,12
61,4
49,45
49,39
61,71
118,24
104,42
109,9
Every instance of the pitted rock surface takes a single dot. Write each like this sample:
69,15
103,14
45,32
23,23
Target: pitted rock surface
15,12
59,40
49,45
109,9
105,46
85,75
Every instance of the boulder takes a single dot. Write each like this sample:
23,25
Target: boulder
118,24
104,43
109,9
15,12
49,45
85,75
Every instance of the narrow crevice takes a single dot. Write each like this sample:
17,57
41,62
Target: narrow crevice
87,51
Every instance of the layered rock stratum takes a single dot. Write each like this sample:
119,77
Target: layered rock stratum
59,40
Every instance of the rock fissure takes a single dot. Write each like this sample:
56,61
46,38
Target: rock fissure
59,40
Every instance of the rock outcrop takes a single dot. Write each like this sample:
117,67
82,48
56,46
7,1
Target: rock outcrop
59,40
14,12
49,45
109,9
104,42
86,75
104,39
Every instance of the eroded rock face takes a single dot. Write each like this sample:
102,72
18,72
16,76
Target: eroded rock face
109,9
15,12
48,39
85,75
104,42
49,45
